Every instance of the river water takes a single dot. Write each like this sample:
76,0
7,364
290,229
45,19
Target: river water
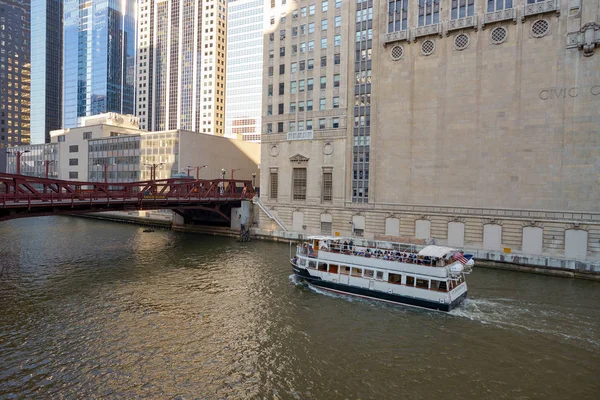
93,309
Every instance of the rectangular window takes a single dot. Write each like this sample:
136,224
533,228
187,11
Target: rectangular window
293,107
299,184
293,87
73,161
270,71
269,109
269,128
292,126
323,82
311,9
301,106
302,65
280,127
335,123
274,185
301,85
74,148
281,88
429,12
281,69
338,21
324,24
461,8
336,59
309,105
61,138
336,80
323,61
336,102
327,186
324,6
398,15
303,12
326,230
311,64
324,43
322,122
309,124
73,175
270,90
293,67
497,5
282,52
280,109
311,45
311,27
337,40
322,104
309,84
87,135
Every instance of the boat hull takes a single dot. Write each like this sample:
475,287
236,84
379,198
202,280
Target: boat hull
341,288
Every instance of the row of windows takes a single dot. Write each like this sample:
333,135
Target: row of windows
299,185
294,126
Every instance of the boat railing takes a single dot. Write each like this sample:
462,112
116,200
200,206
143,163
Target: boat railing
406,257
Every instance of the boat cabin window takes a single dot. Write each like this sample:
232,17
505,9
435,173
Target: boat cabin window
395,278
368,273
333,269
345,270
322,267
423,283
439,285
410,280
356,272
379,275
312,264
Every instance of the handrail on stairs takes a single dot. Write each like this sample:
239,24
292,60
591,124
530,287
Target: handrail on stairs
274,217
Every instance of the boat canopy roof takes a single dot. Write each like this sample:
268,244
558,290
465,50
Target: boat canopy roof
437,251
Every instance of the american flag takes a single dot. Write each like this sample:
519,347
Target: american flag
460,258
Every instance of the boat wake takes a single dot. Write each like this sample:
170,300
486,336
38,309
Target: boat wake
528,317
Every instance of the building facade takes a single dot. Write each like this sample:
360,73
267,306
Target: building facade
181,65
245,30
15,75
471,124
46,68
98,58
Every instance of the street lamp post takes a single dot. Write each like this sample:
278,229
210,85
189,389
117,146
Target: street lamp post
47,164
153,170
233,170
18,153
105,171
198,167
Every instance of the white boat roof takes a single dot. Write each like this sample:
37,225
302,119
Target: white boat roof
437,251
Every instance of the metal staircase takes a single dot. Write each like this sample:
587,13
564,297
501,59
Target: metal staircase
269,213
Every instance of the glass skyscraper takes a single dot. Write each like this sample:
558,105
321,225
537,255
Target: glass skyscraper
46,68
15,75
245,30
98,58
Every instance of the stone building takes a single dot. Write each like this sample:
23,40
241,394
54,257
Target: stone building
469,123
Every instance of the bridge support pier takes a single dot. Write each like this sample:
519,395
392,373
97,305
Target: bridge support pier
178,220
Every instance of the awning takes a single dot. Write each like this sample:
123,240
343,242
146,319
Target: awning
437,251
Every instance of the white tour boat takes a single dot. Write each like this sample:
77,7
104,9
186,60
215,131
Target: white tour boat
433,277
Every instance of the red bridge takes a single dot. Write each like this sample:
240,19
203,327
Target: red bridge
26,196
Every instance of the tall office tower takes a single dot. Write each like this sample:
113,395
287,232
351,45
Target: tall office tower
98,59
245,29
181,65
46,68
15,75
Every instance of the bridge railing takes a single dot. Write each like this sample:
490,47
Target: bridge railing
20,191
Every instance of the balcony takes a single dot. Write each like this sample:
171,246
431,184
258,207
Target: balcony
500,15
462,23
397,36
300,135
540,8
426,30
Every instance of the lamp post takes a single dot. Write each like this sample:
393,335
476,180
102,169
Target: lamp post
18,153
47,164
222,184
233,170
105,170
254,180
198,168
153,170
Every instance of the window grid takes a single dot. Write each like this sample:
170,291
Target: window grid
274,185
327,186
299,184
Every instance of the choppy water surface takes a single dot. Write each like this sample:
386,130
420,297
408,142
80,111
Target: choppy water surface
92,309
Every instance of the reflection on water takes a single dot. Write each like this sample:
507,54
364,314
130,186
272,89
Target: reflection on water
91,309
